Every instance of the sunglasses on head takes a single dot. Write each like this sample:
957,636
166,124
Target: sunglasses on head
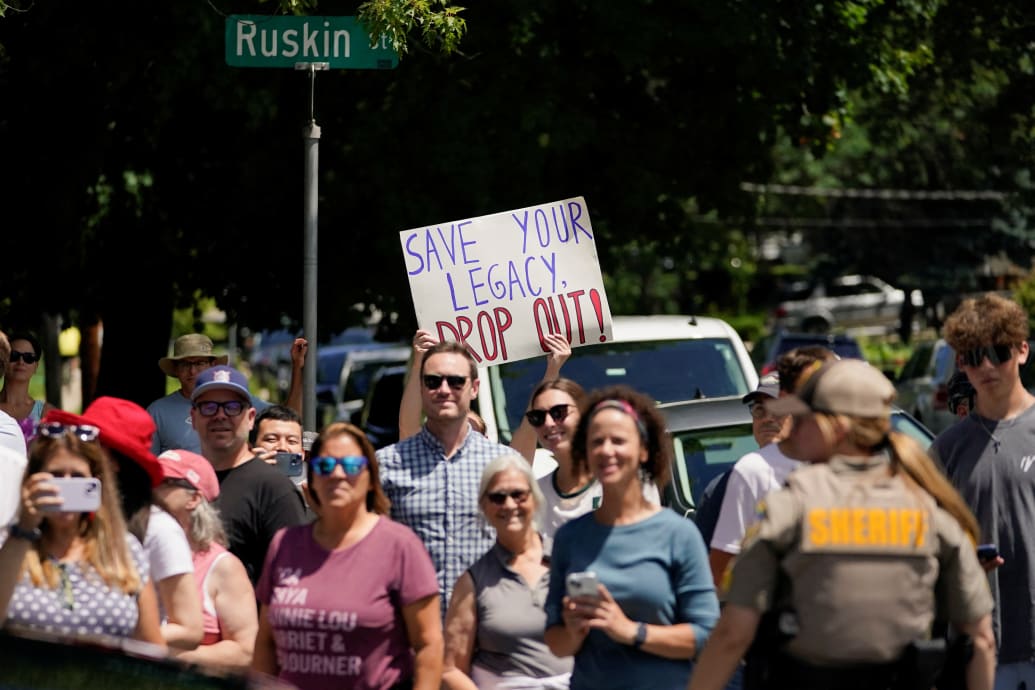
84,432
180,483
500,497
996,354
538,417
209,408
27,357
434,381
351,464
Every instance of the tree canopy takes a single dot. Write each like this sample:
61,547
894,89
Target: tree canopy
146,172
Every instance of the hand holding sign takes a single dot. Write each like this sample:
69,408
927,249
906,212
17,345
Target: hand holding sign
502,283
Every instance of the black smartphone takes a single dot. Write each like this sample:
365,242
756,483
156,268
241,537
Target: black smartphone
987,552
290,464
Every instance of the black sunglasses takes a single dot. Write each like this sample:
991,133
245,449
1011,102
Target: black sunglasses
209,408
500,497
996,354
538,417
433,381
27,357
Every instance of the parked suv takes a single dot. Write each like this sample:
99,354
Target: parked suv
845,302
922,384
667,357
766,351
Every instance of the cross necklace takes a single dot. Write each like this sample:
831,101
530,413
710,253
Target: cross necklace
995,441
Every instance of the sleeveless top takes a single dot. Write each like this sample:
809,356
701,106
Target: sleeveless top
32,420
203,564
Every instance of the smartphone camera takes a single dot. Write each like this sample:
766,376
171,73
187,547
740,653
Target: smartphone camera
290,464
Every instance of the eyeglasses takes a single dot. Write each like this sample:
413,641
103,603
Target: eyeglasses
538,417
351,464
996,354
84,432
434,381
500,497
27,357
200,364
209,408
179,483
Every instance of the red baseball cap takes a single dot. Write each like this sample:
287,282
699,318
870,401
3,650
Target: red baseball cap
125,427
183,464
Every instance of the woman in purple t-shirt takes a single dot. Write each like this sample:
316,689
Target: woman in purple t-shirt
350,601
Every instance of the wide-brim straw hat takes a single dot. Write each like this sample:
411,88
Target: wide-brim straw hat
190,345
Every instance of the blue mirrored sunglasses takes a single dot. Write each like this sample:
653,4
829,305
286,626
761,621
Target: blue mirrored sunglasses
351,464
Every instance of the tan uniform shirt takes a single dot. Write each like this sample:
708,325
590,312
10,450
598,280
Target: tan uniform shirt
858,554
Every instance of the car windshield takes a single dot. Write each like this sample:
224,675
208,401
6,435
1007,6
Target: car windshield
703,454
666,370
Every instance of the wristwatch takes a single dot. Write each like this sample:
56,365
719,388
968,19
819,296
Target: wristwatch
641,635
32,535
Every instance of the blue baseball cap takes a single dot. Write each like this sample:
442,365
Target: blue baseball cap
221,377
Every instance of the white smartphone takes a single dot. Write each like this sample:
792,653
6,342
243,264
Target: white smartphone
582,584
79,494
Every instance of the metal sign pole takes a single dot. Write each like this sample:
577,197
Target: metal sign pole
311,136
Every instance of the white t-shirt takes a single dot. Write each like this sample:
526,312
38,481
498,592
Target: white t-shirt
165,542
753,476
558,508
12,436
12,471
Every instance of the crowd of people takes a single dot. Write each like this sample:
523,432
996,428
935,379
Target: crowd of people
212,528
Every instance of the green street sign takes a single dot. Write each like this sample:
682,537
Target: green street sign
258,40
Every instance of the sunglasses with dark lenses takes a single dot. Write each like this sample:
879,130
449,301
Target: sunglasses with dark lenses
84,432
996,354
325,464
500,497
209,408
27,357
538,417
433,381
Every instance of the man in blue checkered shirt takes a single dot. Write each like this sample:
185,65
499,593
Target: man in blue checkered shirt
432,478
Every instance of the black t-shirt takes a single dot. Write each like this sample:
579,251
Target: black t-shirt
255,500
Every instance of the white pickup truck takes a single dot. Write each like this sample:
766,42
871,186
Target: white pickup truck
851,301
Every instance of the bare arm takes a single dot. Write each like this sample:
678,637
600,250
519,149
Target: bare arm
34,494
719,562
298,352
148,628
264,660
179,596
424,629
726,646
675,641
410,407
524,438
566,639
981,669
234,599
461,630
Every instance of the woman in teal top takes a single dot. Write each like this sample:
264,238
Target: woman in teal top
655,604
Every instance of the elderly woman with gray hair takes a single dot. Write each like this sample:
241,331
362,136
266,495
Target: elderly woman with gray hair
495,622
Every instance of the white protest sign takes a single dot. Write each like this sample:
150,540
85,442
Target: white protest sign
498,283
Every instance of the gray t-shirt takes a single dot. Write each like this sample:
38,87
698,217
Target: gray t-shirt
991,464
175,429
511,620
